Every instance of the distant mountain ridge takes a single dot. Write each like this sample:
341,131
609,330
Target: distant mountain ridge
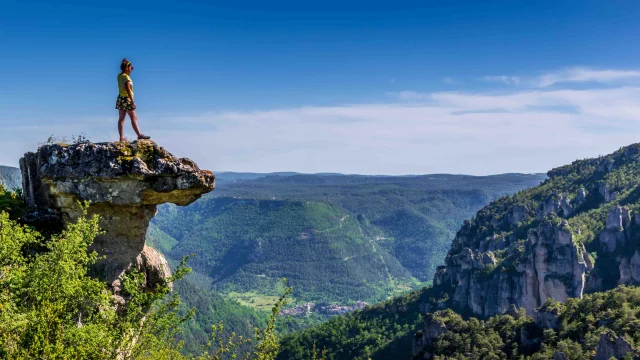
335,178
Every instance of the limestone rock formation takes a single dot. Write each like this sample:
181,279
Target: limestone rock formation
558,204
606,193
546,319
551,205
630,269
613,235
517,214
582,196
433,328
124,182
549,265
612,346
522,250
507,255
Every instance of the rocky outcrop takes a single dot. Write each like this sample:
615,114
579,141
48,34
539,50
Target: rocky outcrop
558,204
582,196
613,235
560,356
517,214
423,340
551,205
123,182
606,193
618,241
520,251
546,318
548,265
630,269
612,346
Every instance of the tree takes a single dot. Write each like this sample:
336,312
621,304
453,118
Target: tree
51,308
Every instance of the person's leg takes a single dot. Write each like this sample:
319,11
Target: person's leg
121,116
134,121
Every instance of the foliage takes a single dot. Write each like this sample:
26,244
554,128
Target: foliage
516,336
259,241
365,236
11,202
51,308
585,183
336,238
380,331
497,338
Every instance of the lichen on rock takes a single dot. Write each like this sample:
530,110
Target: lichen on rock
123,183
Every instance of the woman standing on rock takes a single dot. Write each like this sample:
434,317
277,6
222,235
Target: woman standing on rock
125,103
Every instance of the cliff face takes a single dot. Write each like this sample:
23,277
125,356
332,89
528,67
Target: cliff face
124,182
547,264
574,233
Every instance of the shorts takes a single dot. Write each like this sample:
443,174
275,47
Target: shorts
124,103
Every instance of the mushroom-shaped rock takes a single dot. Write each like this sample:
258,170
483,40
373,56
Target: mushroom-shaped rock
123,182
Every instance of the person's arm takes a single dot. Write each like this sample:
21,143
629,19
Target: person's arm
127,86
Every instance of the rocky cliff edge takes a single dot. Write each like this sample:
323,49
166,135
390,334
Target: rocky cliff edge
123,182
577,232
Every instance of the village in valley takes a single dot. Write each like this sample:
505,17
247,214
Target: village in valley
323,309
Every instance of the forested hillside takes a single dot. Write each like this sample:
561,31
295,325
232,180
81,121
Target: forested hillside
367,236
247,245
381,331
581,218
601,326
574,236
336,237
52,305
394,329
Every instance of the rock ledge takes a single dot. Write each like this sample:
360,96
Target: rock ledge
124,182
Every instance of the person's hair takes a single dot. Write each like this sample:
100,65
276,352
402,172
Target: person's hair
125,63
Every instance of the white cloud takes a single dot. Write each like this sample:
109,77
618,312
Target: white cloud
574,74
448,80
448,132
408,95
584,74
508,80
528,131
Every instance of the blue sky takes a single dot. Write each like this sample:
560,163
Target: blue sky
400,87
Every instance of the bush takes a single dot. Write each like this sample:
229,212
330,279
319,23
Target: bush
50,308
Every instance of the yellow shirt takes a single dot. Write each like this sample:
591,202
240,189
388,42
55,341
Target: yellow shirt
122,79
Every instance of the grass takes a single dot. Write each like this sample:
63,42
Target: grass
403,287
255,300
